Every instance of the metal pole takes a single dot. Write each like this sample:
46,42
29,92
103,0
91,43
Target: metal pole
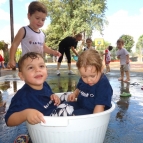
11,20
11,23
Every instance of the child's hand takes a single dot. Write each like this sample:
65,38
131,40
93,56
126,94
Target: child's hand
56,53
56,99
118,57
127,62
11,64
34,116
71,97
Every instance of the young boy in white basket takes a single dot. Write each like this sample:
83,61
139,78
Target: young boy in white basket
93,91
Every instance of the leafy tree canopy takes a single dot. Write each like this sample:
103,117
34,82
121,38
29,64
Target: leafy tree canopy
139,43
128,42
69,17
2,43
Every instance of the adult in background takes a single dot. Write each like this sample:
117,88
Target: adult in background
64,47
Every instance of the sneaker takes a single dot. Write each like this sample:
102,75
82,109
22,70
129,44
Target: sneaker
22,139
71,73
58,72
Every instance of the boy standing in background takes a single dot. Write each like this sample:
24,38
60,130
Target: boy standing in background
32,39
123,55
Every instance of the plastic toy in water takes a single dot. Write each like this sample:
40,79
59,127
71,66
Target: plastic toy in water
124,94
134,83
75,57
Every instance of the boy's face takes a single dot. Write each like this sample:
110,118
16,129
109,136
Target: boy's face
34,72
90,75
37,20
120,45
88,43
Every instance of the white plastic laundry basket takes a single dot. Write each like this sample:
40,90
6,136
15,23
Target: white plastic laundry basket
73,129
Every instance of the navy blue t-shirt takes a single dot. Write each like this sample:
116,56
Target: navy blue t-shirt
98,94
28,97
68,42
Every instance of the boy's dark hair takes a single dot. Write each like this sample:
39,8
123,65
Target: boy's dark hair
78,35
32,55
89,39
120,41
37,6
110,48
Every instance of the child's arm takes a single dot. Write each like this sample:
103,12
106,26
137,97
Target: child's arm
19,36
74,50
50,51
31,115
56,99
127,59
74,95
98,108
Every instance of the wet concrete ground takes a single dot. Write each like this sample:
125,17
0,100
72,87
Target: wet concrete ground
126,122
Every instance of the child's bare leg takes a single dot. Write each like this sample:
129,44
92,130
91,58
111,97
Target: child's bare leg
109,68
127,76
106,69
122,76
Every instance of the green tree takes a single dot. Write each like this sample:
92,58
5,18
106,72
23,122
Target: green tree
139,44
2,43
69,17
128,42
4,47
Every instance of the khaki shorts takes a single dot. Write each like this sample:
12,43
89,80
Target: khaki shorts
125,68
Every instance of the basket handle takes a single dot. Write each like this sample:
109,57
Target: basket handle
55,122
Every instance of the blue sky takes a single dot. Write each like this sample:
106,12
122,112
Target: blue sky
124,17
132,6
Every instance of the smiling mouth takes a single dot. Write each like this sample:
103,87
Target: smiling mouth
38,76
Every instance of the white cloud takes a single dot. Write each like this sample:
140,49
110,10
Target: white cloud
4,15
26,6
2,1
122,23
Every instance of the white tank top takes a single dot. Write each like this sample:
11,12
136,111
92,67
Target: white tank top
32,41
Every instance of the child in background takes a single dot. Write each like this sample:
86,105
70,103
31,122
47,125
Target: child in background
108,58
35,99
93,91
123,55
2,61
32,39
88,44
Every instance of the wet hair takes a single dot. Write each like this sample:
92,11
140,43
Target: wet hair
31,55
37,6
89,39
90,58
110,48
120,41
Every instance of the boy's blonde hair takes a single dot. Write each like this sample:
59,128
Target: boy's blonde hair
120,41
37,6
31,55
90,58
